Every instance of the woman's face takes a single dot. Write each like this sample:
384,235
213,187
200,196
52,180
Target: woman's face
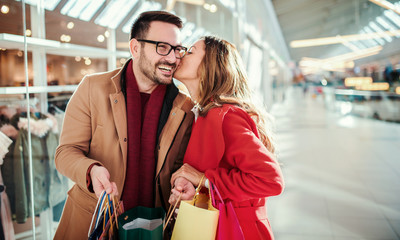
188,69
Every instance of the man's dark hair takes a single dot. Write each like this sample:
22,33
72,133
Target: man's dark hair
142,24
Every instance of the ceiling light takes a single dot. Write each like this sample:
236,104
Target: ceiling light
100,38
78,59
397,90
88,61
70,25
28,32
5,9
213,8
106,34
65,38
387,5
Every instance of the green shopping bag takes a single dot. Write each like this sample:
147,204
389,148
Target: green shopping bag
141,223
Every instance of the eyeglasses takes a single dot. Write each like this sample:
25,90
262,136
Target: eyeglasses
163,48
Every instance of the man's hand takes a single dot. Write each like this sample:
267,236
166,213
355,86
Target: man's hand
101,181
182,185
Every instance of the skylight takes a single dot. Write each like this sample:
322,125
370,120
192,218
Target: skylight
146,6
387,25
392,17
368,30
115,12
380,31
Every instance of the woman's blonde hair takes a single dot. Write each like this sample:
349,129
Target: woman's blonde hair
223,79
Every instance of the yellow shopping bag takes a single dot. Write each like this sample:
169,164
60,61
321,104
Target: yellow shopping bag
197,218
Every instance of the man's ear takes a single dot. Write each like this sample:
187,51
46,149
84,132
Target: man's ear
134,48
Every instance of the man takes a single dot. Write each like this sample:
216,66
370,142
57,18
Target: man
115,121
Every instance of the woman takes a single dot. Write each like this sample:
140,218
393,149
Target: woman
229,143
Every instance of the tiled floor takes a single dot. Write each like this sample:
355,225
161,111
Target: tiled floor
342,174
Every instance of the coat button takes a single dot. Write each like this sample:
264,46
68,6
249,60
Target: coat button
125,139
115,101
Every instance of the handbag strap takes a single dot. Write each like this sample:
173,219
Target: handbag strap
198,189
214,188
97,210
171,212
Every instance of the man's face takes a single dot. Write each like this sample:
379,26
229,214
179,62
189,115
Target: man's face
159,69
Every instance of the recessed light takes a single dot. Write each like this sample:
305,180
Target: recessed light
5,9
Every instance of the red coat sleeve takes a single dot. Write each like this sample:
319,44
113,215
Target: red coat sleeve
247,169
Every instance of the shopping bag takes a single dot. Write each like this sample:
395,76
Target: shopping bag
105,218
141,223
197,218
228,224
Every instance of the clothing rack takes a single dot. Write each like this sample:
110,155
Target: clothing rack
17,102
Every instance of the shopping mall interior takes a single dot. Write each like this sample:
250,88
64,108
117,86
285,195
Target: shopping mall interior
327,71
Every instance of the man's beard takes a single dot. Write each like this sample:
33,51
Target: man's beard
150,71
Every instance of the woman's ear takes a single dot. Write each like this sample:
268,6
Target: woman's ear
134,48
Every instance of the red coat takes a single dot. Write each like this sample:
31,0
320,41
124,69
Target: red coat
225,145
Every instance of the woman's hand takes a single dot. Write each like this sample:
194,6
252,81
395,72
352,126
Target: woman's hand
182,185
188,172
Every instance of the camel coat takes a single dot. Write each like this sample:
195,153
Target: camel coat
95,131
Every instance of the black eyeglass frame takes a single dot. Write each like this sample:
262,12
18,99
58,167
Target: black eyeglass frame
172,47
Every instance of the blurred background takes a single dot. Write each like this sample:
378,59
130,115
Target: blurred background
327,71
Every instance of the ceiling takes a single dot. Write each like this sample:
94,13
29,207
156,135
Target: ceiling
308,19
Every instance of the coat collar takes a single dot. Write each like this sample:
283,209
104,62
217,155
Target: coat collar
119,78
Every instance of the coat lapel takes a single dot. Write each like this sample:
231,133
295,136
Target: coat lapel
117,102
168,134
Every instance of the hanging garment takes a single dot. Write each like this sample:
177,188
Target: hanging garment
1,224
5,142
7,226
49,185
